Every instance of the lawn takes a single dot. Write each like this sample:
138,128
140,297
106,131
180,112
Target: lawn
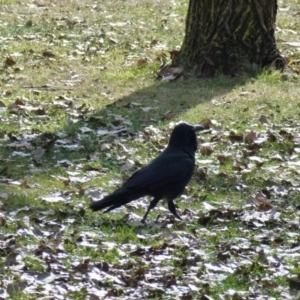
81,109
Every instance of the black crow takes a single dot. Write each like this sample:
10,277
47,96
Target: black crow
163,178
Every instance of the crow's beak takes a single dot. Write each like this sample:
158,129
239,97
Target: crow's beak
198,128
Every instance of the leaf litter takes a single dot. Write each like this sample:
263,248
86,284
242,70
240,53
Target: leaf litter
56,249
138,270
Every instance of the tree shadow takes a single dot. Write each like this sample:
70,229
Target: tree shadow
157,104
168,101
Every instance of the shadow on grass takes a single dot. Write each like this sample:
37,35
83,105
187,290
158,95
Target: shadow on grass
157,105
164,102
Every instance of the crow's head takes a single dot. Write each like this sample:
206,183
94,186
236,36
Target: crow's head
184,135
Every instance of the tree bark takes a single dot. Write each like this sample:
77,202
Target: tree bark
230,36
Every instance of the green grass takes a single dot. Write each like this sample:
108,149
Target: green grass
76,67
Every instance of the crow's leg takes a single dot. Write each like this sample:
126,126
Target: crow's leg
172,209
152,204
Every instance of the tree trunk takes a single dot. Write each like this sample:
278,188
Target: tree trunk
229,36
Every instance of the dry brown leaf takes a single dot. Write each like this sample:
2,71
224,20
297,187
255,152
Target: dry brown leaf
250,137
142,62
9,62
260,201
263,119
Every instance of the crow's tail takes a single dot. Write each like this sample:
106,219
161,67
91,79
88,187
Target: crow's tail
118,198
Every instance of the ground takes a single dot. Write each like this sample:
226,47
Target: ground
81,109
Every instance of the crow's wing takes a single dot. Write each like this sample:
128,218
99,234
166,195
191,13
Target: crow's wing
169,167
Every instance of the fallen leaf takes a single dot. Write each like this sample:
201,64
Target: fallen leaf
9,62
260,201
250,137
263,119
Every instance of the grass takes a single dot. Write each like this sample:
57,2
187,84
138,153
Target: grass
75,70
